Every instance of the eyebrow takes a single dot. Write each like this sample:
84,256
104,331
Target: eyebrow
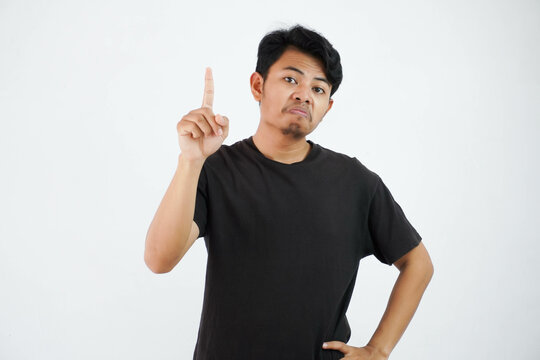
302,73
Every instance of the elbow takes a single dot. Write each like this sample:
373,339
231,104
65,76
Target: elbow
156,265
429,270
426,266
158,269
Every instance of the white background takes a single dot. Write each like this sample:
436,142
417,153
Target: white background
440,98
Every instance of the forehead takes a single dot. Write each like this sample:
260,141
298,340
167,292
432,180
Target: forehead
300,60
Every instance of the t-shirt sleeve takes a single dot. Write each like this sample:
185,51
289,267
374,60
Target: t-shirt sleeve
391,234
201,201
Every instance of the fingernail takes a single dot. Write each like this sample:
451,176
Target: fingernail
324,345
220,132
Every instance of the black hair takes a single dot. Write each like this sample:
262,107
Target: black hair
308,41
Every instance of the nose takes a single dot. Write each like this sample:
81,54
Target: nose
302,94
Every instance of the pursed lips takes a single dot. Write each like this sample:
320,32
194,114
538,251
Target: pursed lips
299,111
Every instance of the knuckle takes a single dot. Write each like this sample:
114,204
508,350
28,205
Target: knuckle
205,128
208,112
182,124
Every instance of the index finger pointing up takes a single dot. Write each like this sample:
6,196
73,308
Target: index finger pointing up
208,97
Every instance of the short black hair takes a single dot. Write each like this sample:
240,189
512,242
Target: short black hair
274,44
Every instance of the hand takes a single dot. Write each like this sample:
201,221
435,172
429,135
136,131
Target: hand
200,132
367,352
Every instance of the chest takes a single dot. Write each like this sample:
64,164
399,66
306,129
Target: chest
275,213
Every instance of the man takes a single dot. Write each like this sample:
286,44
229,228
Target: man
285,221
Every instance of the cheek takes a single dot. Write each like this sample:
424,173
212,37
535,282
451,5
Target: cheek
271,103
268,105
320,109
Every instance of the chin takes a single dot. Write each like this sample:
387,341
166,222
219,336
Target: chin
294,130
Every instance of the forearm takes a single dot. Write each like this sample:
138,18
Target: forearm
404,300
170,228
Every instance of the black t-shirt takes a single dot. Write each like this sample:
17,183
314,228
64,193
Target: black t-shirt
284,243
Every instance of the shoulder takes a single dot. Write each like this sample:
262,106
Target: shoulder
226,152
353,165
227,160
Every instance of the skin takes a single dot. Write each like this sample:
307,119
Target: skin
294,80
173,230
415,273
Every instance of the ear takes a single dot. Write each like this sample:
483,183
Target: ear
330,103
256,81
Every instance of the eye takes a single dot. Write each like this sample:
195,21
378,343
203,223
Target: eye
290,80
318,90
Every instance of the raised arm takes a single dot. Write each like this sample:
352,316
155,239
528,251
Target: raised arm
173,231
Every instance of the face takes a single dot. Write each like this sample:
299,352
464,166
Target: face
295,95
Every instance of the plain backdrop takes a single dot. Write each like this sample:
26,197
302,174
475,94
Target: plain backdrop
440,98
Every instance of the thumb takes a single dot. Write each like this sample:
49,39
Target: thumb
223,121
336,345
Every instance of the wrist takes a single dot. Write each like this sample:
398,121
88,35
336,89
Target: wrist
184,161
380,350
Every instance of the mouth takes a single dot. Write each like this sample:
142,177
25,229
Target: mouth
300,112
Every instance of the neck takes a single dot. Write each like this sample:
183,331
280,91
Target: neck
281,148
